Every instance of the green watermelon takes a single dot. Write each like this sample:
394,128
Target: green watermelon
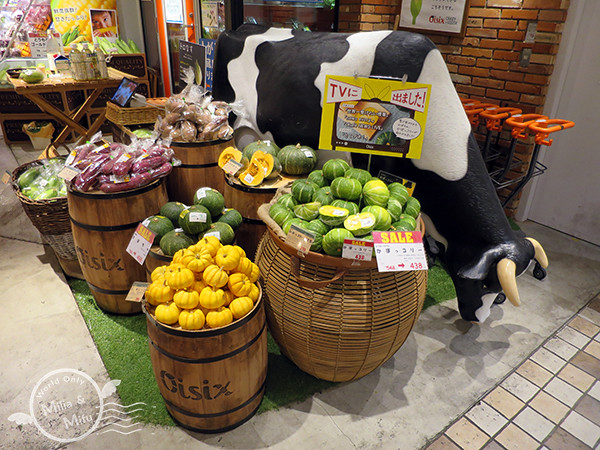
307,211
383,220
335,168
297,159
375,192
222,231
316,176
172,210
265,146
332,216
361,175
232,217
159,225
195,219
279,213
303,190
323,195
288,201
394,207
333,241
360,224
175,240
211,199
350,206
346,188
412,207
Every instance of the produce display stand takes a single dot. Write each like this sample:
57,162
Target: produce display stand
71,119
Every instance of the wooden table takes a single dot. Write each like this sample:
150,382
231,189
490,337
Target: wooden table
71,119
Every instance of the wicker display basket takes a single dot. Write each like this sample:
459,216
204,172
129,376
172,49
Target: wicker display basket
50,217
336,319
135,116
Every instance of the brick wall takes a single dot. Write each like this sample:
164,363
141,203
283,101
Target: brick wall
484,64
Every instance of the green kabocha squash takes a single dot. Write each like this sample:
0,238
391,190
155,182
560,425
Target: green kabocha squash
297,159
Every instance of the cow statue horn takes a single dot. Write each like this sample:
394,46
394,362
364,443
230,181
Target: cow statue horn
506,270
540,254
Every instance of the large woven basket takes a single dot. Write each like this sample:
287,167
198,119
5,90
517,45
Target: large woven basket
50,217
135,116
335,318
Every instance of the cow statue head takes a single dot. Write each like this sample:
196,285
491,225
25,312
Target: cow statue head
277,79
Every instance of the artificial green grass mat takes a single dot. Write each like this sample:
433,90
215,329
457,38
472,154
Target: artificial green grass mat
123,346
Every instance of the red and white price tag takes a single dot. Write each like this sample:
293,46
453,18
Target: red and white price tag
232,166
300,239
398,251
357,249
140,243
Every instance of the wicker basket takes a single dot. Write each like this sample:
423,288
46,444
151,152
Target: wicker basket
134,116
336,319
50,217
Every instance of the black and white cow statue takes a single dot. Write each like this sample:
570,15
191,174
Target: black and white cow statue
277,78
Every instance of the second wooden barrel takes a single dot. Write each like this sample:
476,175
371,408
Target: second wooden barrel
198,168
103,225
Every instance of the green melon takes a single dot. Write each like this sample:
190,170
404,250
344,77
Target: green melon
332,216
383,220
297,159
360,224
232,217
288,201
394,207
195,219
316,176
222,231
265,146
375,192
175,240
172,210
412,207
279,213
350,206
346,188
361,175
318,226
323,195
211,199
335,168
333,241
159,225
307,211
303,190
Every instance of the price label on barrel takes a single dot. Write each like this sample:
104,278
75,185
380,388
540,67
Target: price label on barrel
137,291
300,239
68,173
357,249
232,166
140,243
398,251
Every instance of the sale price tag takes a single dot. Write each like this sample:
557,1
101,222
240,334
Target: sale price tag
140,243
300,239
232,167
398,251
137,291
357,249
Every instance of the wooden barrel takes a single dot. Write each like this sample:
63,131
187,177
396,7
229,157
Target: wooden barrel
336,319
103,225
211,380
198,169
155,258
246,200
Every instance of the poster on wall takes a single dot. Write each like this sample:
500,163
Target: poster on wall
209,50
194,56
87,21
213,18
375,116
441,16
173,11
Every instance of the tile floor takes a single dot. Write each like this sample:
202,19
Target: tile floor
526,378
550,401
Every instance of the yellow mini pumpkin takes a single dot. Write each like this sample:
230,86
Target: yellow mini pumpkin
241,306
228,296
254,293
186,298
180,278
178,254
245,266
214,276
211,243
241,250
167,313
228,257
159,272
212,299
239,284
192,319
197,261
219,318
254,273
159,292
199,284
